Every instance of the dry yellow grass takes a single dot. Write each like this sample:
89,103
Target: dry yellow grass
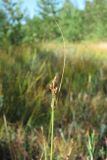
98,49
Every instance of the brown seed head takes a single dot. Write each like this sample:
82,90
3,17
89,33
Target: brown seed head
54,85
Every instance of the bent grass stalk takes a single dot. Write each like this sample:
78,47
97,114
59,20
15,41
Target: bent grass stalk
64,60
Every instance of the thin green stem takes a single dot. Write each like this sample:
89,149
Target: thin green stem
52,126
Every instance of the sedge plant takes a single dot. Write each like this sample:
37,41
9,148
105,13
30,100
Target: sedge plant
54,90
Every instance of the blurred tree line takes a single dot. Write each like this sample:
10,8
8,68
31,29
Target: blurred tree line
17,28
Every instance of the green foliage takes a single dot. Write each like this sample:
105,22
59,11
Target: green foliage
13,32
95,18
47,8
71,22
76,24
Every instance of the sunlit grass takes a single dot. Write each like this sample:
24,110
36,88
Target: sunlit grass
98,48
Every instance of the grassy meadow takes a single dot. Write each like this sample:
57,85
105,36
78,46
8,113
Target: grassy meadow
80,118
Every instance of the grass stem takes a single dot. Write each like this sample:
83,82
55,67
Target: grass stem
52,125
